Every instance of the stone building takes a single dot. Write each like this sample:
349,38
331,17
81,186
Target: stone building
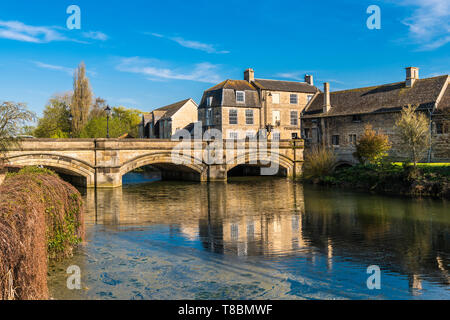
245,108
338,118
164,122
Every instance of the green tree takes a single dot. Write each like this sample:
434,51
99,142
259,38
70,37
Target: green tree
413,129
98,108
55,121
81,99
122,121
372,147
13,116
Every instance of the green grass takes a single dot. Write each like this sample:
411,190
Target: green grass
424,164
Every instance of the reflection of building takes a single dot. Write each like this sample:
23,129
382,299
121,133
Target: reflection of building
164,122
240,108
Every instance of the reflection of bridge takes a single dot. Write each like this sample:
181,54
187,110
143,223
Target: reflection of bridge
103,162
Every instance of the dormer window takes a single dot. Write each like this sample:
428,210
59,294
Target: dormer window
209,101
240,96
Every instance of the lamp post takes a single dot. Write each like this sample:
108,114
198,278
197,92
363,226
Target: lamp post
108,113
70,119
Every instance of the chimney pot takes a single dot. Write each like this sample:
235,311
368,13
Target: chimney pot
249,75
326,97
309,79
412,74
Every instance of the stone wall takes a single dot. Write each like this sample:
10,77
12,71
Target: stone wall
344,126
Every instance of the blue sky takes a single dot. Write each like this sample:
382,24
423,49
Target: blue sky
146,54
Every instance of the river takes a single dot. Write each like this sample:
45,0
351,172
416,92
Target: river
256,238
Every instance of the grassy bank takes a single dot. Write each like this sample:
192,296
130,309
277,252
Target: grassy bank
40,220
395,178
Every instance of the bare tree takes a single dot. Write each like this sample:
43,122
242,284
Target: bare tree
13,117
413,129
81,99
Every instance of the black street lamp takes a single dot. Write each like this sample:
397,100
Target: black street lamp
70,119
108,113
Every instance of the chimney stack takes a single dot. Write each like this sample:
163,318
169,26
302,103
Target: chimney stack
412,74
249,75
326,97
309,79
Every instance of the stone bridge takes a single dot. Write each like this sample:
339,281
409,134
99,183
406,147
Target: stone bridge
102,162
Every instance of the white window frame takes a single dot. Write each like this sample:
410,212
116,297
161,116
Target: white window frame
275,101
243,96
296,117
247,118
209,101
229,116
233,135
291,96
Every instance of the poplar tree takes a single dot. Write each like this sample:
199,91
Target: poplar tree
81,99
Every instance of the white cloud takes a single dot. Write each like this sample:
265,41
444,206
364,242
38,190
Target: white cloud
196,45
156,70
295,75
69,71
96,35
429,24
54,67
19,31
16,30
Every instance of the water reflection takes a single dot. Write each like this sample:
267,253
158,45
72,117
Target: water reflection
314,243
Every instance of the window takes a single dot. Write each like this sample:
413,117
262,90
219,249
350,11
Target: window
208,117
232,116
276,117
335,140
233,135
209,101
293,98
356,118
248,116
276,136
250,135
352,139
275,98
294,118
439,128
309,97
240,96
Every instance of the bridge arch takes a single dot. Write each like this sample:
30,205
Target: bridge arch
192,168
59,163
257,156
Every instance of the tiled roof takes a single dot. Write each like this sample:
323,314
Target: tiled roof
240,85
169,110
290,86
383,98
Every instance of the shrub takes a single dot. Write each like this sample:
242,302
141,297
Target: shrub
413,128
319,162
40,219
372,147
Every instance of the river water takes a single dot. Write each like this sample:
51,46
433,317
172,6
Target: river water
257,238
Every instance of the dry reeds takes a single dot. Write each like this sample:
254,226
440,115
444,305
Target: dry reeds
40,219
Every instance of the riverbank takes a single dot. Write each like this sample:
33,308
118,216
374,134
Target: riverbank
426,180
40,220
